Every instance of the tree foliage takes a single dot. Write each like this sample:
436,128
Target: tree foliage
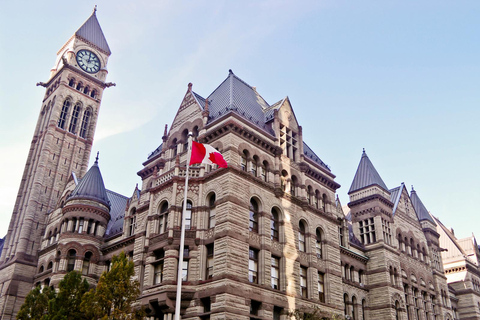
115,294
36,304
66,304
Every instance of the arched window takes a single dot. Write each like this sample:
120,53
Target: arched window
274,225
57,234
255,166
263,171
85,120
86,263
354,306
243,160
41,269
163,221
93,94
185,140
324,202
352,273
301,236
318,243
63,115
345,304
293,186
309,194
361,277
71,260
174,148
253,216
86,89
346,271
49,238
364,304
211,211
50,265
317,198
188,215
79,86
71,83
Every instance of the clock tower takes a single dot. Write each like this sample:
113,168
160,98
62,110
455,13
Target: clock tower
61,144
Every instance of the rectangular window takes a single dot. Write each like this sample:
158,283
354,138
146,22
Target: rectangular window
253,265
243,163
163,223
211,218
188,216
367,231
133,225
277,313
275,273
321,287
185,271
303,282
387,235
80,225
158,272
263,173
210,261
255,307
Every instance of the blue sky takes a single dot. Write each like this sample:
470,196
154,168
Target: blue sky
398,78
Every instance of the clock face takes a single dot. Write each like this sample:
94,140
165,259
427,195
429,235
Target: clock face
88,61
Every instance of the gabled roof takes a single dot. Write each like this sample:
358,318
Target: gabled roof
366,175
91,32
91,187
422,212
235,95
117,213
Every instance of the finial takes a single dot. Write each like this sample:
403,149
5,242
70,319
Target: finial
165,132
95,9
96,159
190,85
230,71
412,188
363,150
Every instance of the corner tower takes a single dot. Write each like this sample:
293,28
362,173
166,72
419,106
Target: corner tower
61,144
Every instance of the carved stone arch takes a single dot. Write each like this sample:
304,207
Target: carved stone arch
280,211
260,202
217,145
448,316
64,248
324,231
398,297
306,222
157,206
192,196
93,249
211,189
245,146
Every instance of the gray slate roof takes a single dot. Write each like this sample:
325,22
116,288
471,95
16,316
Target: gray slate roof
235,95
92,32
117,213
366,176
91,187
422,212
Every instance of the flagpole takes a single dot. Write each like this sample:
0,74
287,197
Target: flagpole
178,298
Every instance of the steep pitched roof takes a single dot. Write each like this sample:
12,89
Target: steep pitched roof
308,153
117,213
91,187
422,212
366,175
91,32
235,95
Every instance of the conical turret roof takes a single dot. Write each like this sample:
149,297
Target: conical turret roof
366,176
91,187
420,209
91,32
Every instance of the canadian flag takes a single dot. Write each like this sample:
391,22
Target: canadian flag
204,153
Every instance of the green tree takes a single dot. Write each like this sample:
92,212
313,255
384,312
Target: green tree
115,294
36,304
66,304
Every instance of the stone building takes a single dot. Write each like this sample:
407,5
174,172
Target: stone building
264,236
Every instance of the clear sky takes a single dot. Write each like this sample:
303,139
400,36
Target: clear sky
398,78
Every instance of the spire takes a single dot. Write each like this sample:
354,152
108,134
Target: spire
91,186
422,212
91,32
366,175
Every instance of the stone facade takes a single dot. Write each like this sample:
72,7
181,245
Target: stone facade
264,236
